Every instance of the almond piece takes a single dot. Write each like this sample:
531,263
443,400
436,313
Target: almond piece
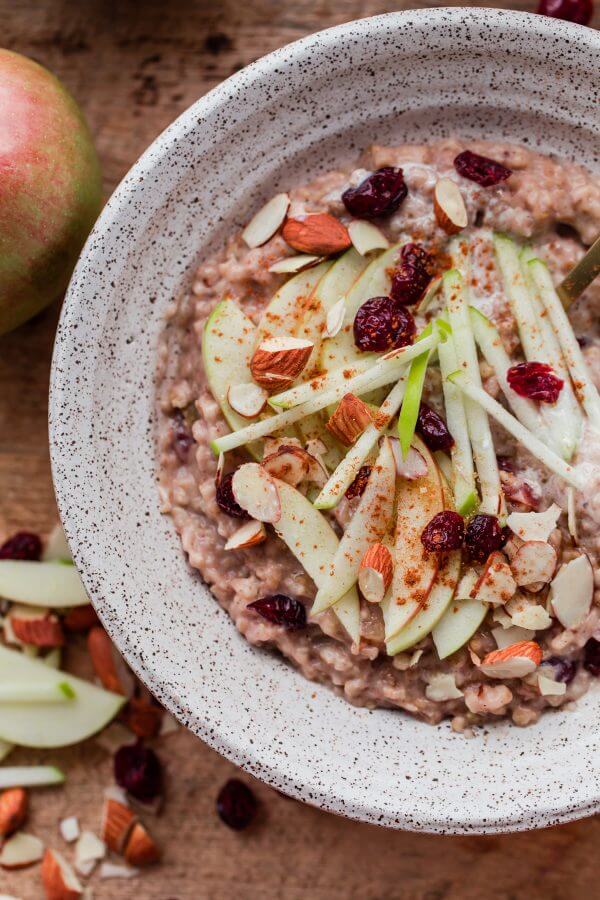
117,821
249,535
335,318
13,809
140,849
80,618
266,222
534,526
143,717
292,264
366,237
449,206
21,850
375,573
256,492
39,629
69,829
320,234
412,466
108,664
572,591
533,565
278,361
515,661
288,463
247,399
59,880
496,584
350,419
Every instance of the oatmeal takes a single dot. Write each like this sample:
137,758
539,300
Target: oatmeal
378,435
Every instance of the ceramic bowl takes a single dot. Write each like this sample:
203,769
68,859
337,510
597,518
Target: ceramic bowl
413,75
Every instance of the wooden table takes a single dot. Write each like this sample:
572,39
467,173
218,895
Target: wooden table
134,66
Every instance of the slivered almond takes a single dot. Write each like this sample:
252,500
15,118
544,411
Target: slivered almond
117,821
247,399
108,663
349,419
572,591
367,237
40,628
294,464
335,318
13,809
534,526
140,849
267,221
290,264
80,618
21,850
412,466
375,573
515,661
278,361
533,565
249,535
143,717
59,880
256,492
449,206
320,234
496,584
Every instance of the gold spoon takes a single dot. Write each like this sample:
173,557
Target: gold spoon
580,276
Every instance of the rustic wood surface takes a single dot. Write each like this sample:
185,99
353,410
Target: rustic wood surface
134,66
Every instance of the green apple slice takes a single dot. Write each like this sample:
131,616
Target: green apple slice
415,569
56,548
30,776
435,607
480,435
538,449
59,692
409,413
314,543
56,725
461,619
368,525
49,584
5,749
513,277
293,307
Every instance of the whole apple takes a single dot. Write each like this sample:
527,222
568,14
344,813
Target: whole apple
50,188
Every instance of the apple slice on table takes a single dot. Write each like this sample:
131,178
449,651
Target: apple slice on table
415,569
56,725
461,619
368,525
314,543
51,584
29,776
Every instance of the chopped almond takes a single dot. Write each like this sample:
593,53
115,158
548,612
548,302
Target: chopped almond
533,565
449,206
267,221
350,419
39,629
140,849
21,850
143,717
80,618
108,665
250,534
13,809
375,573
59,880
320,234
278,361
117,821
496,584
514,661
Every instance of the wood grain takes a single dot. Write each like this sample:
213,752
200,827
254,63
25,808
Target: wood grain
134,66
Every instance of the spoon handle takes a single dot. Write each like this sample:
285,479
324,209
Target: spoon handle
581,275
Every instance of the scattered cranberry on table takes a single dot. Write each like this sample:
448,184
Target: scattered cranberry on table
480,169
22,545
433,429
279,609
380,194
382,324
236,804
444,532
412,277
578,11
483,535
138,770
536,381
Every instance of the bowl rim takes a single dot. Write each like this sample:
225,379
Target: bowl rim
225,743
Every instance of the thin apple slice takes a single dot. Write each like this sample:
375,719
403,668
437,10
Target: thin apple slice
314,543
49,584
409,413
21,850
23,693
480,435
29,776
572,591
56,725
368,525
266,222
461,619
538,449
415,569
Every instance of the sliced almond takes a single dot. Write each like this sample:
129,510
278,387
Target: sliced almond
505,637
496,584
529,615
533,565
375,573
412,466
39,629
572,514
289,463
320,234
572,591
249,535
21,850
550,688
449,206
335,318
367,237
442,687
220,469
59,880
116,870
117,821
278,361
515,661
13,810
69,829
349,419
534,526
140,849
247,399
292,264
109,665
267,221
89,847
519,492
256,492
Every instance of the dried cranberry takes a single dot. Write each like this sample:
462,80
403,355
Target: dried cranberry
411,278
505,464
433,429
280,609
356,489
591,656
22,545
486,172
182,438
578,11
383,324
378,195
535,380
139,771
225,499
563,670
236,804
518,491
483,535
445,531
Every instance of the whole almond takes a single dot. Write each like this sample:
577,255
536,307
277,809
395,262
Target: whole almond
13,809
349,419
278,361
320,234
117,822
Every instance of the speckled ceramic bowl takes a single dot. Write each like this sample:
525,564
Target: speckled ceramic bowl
408,75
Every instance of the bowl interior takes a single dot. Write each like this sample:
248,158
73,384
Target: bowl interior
408,76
